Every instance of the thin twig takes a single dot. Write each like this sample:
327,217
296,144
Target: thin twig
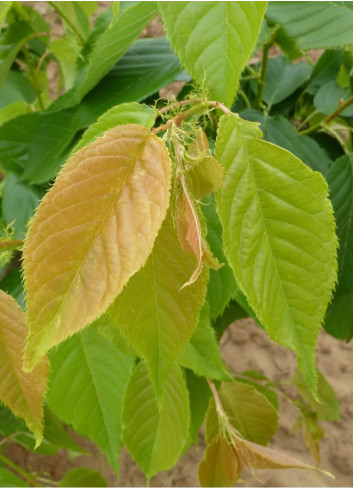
199,105
28,477
11,244
262,80
329,118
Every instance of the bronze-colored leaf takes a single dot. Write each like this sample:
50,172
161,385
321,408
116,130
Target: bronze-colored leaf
93,230
22,392
219,468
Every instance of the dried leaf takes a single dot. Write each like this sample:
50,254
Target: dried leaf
259,457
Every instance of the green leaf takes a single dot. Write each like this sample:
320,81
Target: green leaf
249,412
18,203
7,478
270,395
329,96
15,88
214,40
279,237
311,25
153,434
83,477
148,66
340,180
283,78
327,407
222,283
219,468
278,130
107,50
199,396
15,36
55,433
4,8
66,57
78,19
101,233
54,436
325,70
14,110
154,314
231,313
338,321
202,353
130,113
107,327
13,285
87,383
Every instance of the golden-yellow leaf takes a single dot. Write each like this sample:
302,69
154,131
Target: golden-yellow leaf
21,391
93,230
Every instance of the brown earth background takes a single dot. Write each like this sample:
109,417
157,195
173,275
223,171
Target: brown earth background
244,346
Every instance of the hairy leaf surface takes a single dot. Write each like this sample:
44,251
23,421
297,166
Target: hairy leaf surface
220,464
88,380
155,435
279,237
154,315
93,230
214,40
21,391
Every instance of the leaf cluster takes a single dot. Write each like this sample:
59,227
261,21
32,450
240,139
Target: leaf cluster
135,230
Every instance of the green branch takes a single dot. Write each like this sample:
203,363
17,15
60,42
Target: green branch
262,80
329,118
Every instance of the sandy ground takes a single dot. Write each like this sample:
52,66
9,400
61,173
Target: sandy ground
245,346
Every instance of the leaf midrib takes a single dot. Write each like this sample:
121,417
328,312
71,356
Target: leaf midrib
77,273
273,258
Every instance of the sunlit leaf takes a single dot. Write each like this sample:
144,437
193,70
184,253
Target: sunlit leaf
155,435
279,237
153,314
93,230
88,380
19,390
130,113
214,40
202,352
